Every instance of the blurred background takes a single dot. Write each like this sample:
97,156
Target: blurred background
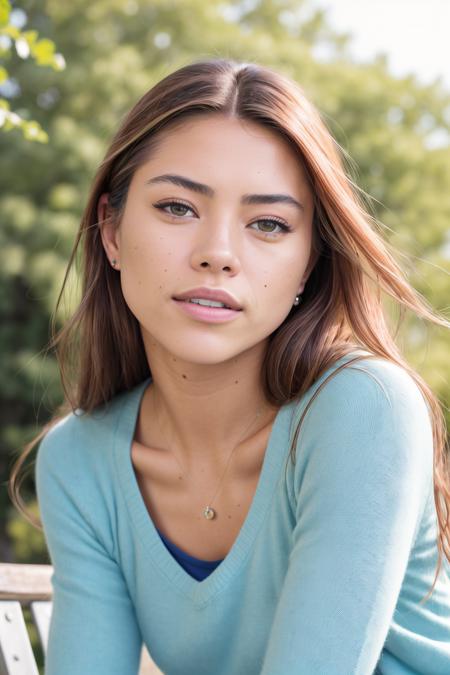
378,71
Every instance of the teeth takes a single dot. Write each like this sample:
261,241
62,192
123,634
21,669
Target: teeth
207,303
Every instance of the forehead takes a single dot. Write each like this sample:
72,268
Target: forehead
222,146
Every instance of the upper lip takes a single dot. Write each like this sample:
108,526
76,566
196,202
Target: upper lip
210,294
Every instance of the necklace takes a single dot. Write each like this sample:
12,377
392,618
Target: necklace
208,512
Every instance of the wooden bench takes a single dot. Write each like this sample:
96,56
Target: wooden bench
29,586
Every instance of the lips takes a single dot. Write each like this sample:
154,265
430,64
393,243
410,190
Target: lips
204,293
207,314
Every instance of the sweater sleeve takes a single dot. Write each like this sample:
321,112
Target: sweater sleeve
363,474
93,625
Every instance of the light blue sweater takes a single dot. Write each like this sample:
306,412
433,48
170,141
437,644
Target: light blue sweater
324,577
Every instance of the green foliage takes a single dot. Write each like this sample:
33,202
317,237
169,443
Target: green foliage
5,9
395,129
26,44
27,540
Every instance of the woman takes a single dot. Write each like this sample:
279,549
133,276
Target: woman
246,475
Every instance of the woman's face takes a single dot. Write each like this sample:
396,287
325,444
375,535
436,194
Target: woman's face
212,237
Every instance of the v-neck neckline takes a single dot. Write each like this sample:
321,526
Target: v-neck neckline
200,592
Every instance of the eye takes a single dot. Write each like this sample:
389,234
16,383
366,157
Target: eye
180,205
273,221
284,227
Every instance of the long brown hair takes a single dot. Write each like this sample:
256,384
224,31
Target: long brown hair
101,343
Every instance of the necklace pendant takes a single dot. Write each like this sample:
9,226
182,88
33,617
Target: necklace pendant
209,513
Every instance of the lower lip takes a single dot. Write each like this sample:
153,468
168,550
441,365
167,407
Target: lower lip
210,314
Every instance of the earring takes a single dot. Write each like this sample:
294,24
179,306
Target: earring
298,299
113,262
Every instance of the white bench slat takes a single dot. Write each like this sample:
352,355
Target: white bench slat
16,654
41,613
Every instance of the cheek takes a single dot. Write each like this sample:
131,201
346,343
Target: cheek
277,283
149,272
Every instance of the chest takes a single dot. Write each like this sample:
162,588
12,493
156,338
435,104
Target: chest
175,503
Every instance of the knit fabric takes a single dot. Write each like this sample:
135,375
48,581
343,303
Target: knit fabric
324,578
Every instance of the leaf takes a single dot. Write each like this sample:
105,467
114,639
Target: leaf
5,9
11,31
33,131
30,36
43,51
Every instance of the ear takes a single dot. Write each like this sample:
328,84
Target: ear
108,230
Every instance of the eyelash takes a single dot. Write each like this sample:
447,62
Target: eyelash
284,226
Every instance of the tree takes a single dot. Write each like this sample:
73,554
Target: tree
395,129
26,44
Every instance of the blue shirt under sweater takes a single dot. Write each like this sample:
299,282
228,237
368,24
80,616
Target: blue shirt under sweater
324,578
197,568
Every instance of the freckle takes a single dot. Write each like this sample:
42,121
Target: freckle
184,376
229,516
180,477
265,285
165,270
237,504
236,382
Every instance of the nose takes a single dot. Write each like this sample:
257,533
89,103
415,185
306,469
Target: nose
216,251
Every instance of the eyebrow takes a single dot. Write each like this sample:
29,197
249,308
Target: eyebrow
206,190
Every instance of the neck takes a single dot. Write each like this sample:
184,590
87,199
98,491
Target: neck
203,413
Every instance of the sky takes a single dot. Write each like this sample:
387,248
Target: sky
413,33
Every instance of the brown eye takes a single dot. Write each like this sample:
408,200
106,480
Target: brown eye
177,205
174,204
272,221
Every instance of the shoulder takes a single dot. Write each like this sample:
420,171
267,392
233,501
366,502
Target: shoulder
81,443
370,383
75,473
367,433
372,408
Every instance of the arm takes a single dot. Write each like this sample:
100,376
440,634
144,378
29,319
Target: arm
362,477
93,626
